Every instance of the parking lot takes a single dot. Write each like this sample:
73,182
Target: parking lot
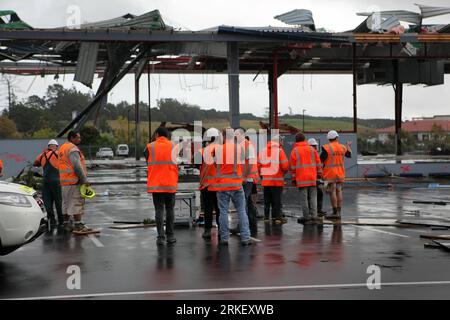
287,262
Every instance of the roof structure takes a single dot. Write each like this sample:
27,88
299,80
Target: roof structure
381,50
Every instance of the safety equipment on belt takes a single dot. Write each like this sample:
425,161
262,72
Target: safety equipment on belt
332,135
312,142
87,192
53,142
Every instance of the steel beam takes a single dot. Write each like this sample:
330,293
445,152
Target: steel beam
233,83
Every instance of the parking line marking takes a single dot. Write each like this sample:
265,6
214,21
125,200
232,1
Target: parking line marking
382,231
244,289
96,241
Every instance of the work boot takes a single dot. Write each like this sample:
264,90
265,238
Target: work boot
223,243
81,227
321,213
246,243
171,240
160,241
207,234
234,231
339,211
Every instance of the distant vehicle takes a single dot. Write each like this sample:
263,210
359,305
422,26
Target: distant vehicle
105,153
122,150
22,216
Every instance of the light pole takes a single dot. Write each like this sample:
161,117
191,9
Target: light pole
304,120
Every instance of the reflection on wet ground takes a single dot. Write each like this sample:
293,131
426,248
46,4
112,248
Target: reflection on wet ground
288,255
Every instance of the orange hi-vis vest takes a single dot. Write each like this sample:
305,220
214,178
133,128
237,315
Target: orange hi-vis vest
250,167
162,169
228,162
1,165
67,174
304,163
333,167
48,156
272,165
208,168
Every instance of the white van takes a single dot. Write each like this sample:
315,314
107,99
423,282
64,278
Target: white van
122,150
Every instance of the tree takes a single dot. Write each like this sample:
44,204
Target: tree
45,133
8,128
89,135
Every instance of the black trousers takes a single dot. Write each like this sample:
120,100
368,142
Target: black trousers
319,199
51,194
165,201
210,206
251,209
272,199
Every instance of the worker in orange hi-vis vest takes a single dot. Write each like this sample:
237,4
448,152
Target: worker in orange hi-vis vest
229,158
304,161
73,174
250,178
204,158
162,182
51,187
1,168
273,165
332,157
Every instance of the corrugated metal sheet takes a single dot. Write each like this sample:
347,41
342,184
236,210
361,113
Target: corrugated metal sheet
87,62
401,15
297,17
429,11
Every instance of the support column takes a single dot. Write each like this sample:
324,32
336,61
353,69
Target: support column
271,101
275,90
233,83
355,92
398,117
137,133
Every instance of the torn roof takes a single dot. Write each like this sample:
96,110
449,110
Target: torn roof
299,47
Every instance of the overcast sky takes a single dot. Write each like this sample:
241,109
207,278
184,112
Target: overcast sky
320,95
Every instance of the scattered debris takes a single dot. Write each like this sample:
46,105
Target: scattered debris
438,203
444,245
431,245
132,226
435,237
366,222
425,223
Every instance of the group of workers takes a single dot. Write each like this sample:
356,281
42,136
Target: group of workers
230,170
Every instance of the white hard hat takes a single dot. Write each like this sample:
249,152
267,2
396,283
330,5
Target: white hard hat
212,132
312,142
332,135
53,142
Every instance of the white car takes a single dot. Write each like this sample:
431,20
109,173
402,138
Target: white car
122,150
22,216
105,153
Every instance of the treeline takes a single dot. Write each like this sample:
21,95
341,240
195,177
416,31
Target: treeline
42,117
369,123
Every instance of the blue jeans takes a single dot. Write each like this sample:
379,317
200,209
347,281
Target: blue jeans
238,198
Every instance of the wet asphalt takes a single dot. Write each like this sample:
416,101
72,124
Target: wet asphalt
290,261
